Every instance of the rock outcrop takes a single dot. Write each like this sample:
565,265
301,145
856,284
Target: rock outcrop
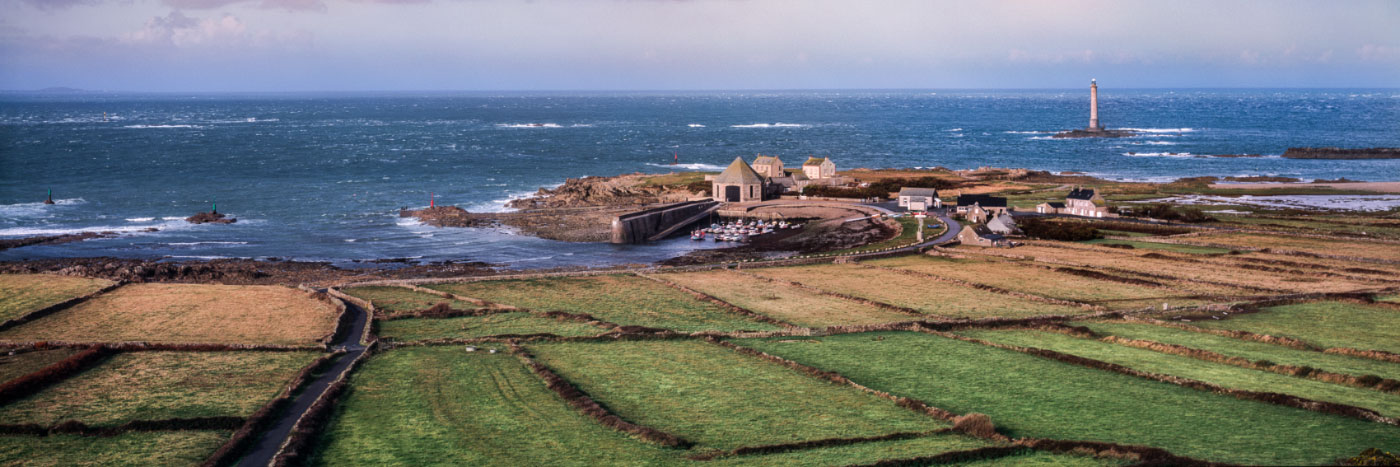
1095,134
621,190
210,218
1342,153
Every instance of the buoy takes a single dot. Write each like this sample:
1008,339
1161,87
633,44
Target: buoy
49,200
431,202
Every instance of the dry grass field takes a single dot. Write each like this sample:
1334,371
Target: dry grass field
187,313
621,299
160,385
1356,248
414,329
784,302
1036,279
928,296
1167,264
24,293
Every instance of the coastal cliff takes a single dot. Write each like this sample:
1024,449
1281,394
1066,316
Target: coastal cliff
1342,153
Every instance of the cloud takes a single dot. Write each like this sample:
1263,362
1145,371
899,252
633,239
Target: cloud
289,5
1378,53
178,30
49,5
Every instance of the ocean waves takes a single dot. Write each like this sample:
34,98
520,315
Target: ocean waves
771,125
695,166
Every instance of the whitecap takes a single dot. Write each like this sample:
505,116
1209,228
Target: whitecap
1160,130
1159,154
696,125
1026,132
162,126
528,125
955,129
771,125
1153,143
140,219
696,166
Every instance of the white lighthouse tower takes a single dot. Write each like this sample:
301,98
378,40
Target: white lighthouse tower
1094,106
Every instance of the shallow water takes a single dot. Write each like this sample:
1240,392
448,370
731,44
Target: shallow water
321,176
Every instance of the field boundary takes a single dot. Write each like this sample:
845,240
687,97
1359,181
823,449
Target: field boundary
736,309
581,402
75,427
986,288
308,426
1113,269
1266,397
813,444
244,437
35,382
1307,372
51,309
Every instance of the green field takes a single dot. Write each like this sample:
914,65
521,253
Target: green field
132,448
1326,324
24,293
159,385
720,398
1251,350
414,329
1229,376
1141,245
392,300
919,293
436,405
14,366
1032,396
621,299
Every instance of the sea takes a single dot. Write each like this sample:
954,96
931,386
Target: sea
322,176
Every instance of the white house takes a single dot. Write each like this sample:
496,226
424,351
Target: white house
919,199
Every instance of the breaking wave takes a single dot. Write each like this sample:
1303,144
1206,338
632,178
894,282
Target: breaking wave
688,166
1159,154
163,126
528,125
771,125
696,125
1161,130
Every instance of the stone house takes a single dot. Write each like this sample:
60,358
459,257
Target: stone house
739,183
987,204
1052,207
769,166
818,168
980,235
1085,202
919,199
1003,224
975,214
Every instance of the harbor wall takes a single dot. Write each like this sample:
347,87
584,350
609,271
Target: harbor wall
637,227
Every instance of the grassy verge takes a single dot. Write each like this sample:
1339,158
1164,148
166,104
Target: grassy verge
785,302
621,299
1037,397
1140,245
719,398
414,329
24,293
923,294
1215,373
188,313
14,366
134,448
161,385
391,300
1327,324
1248,349
434,405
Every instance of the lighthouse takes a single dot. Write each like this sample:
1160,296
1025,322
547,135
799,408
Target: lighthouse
1094,106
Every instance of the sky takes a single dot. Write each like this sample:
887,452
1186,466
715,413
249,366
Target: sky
421,45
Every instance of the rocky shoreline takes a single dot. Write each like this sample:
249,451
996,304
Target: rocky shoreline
1342,153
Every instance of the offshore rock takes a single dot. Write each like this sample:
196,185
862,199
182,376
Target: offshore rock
1342,153
1095,134
210,218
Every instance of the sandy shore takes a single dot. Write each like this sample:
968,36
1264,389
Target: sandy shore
1378,187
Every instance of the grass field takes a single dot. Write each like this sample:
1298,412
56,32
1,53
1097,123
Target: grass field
1356,248
187,313
785,302
24,293
928,296
1173,247
1248,349
1100,257
393,300
621,299
414,329
1032,396
170,448
1216,373
1327,324
159,385
719,398
14,366
1022,276
435,405
908,234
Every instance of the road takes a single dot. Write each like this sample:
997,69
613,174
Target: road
272,438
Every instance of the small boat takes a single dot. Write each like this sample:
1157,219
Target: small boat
697,235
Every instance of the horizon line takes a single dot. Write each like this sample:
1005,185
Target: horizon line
74,90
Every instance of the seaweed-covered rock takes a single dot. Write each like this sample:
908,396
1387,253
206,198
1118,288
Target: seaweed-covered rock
210,218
